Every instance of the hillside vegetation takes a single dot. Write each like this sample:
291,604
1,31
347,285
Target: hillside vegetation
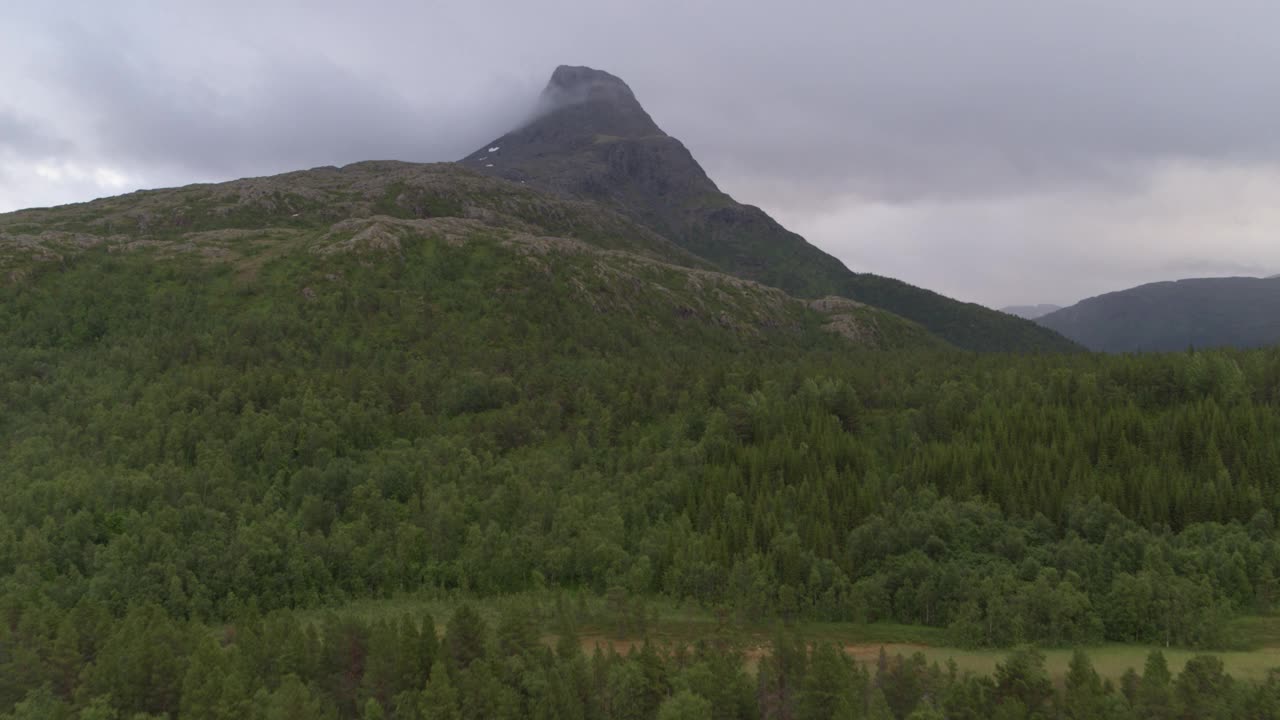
192,438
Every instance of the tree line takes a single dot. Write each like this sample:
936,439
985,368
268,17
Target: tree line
148,665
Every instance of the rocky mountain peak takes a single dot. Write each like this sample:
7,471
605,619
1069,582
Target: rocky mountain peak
590,138
590,101
571,84
579,108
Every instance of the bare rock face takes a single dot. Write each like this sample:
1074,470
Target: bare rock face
593,100
834,304
588,137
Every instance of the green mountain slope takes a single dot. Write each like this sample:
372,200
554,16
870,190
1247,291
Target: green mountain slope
314,202
591,139
201,380
1166,316
635,280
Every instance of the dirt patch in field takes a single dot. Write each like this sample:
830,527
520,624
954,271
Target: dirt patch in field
870,652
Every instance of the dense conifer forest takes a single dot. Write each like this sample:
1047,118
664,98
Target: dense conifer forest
202,466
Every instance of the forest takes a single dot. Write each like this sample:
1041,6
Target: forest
192,461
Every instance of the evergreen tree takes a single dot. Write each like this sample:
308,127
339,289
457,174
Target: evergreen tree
1154,698
439,699
465,637
373,710
827,684
685,705
1083,697
205,680
1202,689
1021,682
295,701
879,707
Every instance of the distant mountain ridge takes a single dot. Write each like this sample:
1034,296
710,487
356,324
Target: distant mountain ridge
1030,312
1167,316
591,139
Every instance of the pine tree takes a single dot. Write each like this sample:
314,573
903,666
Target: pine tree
1154,699
465,637
1021,681
65,661
204,682
99,708
383,665
685,705
143,664
439,699
293,700
373,710
879,707
1202,688
827,683
1084,698
427,649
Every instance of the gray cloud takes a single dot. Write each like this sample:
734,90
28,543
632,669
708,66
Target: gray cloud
983,148
902,100
21,136
297,110
1207,266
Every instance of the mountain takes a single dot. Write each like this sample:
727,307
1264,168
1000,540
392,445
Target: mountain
590,138
1030,312
1167,316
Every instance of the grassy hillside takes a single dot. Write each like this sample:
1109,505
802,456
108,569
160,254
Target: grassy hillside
232,218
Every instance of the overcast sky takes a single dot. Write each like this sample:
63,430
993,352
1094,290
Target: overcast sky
999,151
